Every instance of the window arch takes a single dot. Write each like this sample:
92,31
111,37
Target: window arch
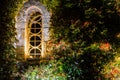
32,26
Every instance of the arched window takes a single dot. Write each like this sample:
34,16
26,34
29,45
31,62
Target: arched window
32,26
34,33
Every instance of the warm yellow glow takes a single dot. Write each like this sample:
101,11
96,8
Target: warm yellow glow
26,56
118,35
25,44
31,56
28,34
32,14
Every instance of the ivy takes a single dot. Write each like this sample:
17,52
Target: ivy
85,25
9,10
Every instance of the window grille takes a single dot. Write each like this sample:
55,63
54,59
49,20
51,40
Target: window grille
35,34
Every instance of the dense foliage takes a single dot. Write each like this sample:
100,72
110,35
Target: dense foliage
8,11
89,30
85,39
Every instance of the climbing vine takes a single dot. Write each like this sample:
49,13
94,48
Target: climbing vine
8,11
90,29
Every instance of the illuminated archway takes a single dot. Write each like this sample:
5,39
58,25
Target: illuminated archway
32,26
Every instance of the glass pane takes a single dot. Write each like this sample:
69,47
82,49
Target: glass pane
37,38
33,25
37,51
37,26
37,30
33,30
38,19
35,34
32,43
32,38
37,43
32,51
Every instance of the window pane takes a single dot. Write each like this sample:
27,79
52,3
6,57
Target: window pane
37,30
32,51
33,25
37,38
37,26
37,51
38,19
35,34
32,30
32,38
32,43
37,43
